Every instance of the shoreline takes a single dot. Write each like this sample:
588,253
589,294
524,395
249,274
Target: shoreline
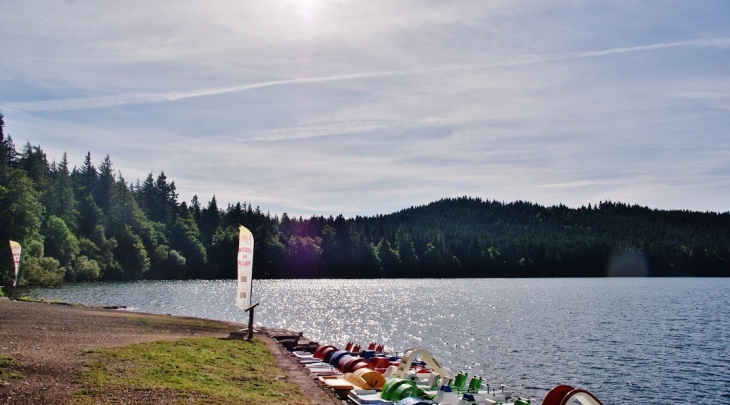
48,341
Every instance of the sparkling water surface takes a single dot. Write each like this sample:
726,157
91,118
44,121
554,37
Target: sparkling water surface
627,340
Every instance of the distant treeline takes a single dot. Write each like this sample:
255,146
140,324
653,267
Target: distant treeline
87,223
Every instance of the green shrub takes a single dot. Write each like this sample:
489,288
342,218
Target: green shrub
44,271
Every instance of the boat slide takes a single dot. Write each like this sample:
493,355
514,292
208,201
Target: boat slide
365,386
412,354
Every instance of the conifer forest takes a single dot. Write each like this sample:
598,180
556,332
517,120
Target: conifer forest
86,222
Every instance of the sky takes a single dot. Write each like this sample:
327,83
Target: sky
368,107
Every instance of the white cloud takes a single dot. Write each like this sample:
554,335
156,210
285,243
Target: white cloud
362,107
78,103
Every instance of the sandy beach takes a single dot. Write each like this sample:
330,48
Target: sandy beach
49,342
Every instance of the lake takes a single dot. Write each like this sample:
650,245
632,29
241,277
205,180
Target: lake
627,340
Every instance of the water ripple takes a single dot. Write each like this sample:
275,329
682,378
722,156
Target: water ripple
625,340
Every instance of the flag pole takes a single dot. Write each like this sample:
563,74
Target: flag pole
250,320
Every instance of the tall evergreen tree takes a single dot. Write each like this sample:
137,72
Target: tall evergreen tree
209,221
33,160
8,154
84,181
59,199
407,253
270,251
195,208
87,175
165,204
389,259
103,188
146,195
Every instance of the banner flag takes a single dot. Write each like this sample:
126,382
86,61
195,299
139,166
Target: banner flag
245,268
15,247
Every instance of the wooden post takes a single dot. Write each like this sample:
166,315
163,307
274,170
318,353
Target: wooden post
250,320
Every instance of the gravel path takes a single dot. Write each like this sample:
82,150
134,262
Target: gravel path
49,341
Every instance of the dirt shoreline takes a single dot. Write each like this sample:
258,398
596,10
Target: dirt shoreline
49,342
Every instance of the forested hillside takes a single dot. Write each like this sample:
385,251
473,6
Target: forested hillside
87,222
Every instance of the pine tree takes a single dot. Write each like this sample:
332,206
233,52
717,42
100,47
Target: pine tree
195,209
8,154
59,199
33,161
146,195
164,205
209,221
88,175
103,189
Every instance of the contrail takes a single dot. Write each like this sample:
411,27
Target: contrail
82,103
313,131
701,43
532,59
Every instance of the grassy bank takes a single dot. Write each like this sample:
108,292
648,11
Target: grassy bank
196,370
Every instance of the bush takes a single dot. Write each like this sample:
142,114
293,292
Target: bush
43,271
83,269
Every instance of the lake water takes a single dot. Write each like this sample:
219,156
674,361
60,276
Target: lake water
627,340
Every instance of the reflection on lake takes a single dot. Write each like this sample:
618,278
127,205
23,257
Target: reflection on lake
627,340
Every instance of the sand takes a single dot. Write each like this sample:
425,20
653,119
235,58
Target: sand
49,342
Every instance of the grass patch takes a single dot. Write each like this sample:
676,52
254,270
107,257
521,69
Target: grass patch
179,322
28,298
7,374
198,370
